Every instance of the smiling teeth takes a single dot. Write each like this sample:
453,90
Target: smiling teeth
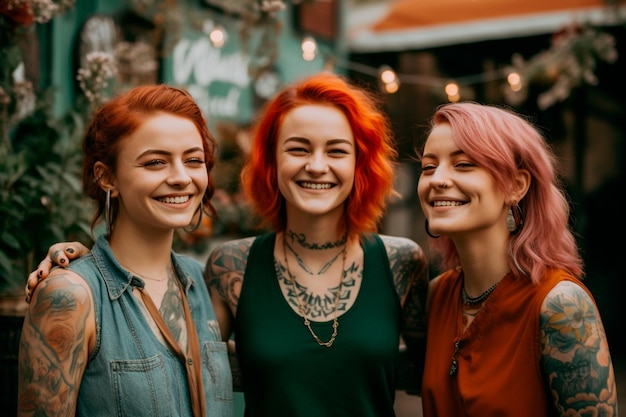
175,200
314,186
447,203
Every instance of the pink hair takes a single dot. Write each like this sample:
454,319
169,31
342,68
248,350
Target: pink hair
503,142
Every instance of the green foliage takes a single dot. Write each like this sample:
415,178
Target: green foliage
41,195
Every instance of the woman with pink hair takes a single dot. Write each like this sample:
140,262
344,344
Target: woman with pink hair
511,330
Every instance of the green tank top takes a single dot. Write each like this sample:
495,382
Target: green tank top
285,373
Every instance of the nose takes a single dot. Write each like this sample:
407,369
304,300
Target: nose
317,163
178,175
439,178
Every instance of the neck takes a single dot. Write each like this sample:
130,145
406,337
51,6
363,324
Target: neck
484,260
144,253
315,241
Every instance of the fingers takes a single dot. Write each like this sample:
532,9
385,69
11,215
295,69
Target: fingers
58,254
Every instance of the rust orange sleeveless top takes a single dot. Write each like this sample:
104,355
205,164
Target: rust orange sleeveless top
498,358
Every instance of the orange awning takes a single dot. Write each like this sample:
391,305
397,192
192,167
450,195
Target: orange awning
415,24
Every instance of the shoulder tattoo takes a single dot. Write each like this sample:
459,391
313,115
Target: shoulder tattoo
575,355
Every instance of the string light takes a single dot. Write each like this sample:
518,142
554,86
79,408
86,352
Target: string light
515,81
453,92
417,79
389,79
309,48
216,33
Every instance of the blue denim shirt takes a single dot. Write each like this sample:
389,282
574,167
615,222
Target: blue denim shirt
130,372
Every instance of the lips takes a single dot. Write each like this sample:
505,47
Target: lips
315,186
174,200
446,203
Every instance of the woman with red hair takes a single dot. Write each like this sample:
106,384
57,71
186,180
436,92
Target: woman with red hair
315,305
512,331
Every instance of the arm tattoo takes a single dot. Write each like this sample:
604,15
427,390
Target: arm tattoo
226,267
53,351
575,355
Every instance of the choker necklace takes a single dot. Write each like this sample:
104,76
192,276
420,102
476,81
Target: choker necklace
301,306
467,300
304,267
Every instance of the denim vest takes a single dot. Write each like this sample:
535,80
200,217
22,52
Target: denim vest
130,372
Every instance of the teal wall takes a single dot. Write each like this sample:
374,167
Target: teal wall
197,65
57,40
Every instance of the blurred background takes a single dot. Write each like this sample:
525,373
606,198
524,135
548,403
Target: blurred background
560,62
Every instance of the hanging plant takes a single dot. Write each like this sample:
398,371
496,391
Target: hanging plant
570,62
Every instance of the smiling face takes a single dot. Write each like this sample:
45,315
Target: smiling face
316,160
161,174
469,201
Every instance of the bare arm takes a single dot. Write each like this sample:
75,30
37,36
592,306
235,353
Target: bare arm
576,361
57,336
410,269
58,254
223,274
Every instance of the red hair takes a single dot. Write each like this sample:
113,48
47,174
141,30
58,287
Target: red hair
504,143
123,115
375,154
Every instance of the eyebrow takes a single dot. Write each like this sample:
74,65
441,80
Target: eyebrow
455,153
337,141
162,152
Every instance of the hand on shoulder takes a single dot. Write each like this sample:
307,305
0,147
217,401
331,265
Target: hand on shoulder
59,254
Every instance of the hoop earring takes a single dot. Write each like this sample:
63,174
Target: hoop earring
514,219
194,227
107,212
428,231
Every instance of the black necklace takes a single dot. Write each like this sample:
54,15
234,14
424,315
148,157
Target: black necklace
479,299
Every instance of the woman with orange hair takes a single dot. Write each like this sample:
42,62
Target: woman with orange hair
512,331
315,305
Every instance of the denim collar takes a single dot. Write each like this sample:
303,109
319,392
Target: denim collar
117,279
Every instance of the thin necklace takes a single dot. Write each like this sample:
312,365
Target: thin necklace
306,269
147,277
301,306
479,299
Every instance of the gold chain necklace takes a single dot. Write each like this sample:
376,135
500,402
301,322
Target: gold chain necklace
301,306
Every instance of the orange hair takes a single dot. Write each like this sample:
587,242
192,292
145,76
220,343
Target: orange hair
375,154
